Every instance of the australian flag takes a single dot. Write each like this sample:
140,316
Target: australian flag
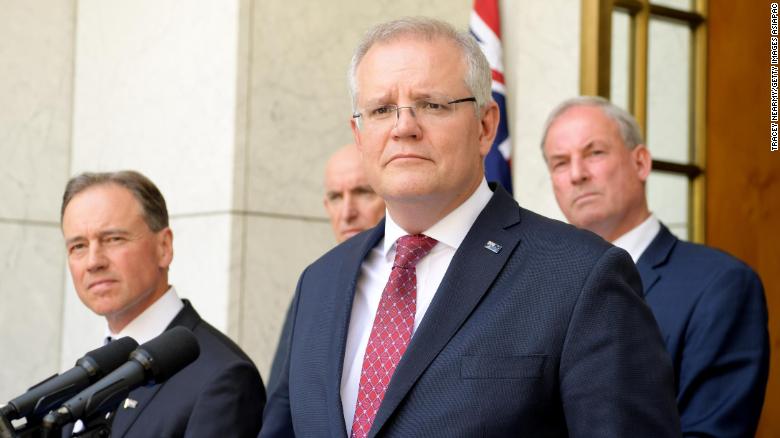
485,25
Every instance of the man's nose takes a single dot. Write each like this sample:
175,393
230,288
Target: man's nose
96,258
348,208
578,171
407,123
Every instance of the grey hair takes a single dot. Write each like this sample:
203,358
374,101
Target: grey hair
153,206
629,128
478,76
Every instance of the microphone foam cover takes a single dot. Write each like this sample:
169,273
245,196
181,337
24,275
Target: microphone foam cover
170,352
110,356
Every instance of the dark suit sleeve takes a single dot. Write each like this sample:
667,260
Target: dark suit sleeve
281,353
616,377
230,405
725,361
277,417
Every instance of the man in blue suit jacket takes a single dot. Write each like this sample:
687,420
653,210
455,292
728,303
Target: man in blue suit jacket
521,326
710,306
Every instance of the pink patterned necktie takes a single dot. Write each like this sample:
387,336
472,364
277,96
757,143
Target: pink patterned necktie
392,330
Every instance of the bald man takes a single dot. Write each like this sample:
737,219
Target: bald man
352,206
350,202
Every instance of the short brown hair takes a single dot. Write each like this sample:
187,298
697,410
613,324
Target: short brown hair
155,212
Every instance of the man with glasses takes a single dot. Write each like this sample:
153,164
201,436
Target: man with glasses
461,314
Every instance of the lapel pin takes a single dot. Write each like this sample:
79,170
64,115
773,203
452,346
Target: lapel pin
129,403
493,246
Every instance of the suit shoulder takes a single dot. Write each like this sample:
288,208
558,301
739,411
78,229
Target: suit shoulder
352,249
688,253
570,256
547,231
216,349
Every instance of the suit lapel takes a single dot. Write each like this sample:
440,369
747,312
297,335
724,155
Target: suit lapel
125,417
348,272
470,274
655,256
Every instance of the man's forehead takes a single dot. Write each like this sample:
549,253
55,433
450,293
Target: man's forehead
345,180
590,116
103,203
385,60
397,47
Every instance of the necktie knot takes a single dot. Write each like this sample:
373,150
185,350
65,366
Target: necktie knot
410,249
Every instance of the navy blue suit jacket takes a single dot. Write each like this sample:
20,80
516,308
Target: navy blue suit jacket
220,394
547,337
713,318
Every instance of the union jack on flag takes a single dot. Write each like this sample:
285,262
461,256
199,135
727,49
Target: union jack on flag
485,26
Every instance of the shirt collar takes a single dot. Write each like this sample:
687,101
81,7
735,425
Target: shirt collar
152,321
636,241
451,229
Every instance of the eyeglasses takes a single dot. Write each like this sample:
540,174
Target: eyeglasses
424,110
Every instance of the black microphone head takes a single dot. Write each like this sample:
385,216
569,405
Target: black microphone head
108,357
168,353
39,399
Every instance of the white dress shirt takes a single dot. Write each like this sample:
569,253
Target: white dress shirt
636,241
152,321
146,326
375,271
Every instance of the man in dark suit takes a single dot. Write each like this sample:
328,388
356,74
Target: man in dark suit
461,314
119,247
710,306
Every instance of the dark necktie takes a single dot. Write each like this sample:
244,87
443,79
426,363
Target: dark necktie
392,330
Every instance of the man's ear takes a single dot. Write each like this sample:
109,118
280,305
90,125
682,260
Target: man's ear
356,133
488,127
165,247
643,161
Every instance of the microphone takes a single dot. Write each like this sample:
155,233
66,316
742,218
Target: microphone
50,393
152,362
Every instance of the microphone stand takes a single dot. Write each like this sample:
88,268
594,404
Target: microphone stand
6,429
27,430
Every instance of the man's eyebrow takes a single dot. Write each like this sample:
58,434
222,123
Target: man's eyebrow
363,188
378,99
558,156
429,95
590,145
73,240
113,231
104,233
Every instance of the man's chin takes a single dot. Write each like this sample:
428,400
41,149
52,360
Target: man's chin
348,234
586,218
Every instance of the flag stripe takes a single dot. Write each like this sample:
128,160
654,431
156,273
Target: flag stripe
486,29
489,13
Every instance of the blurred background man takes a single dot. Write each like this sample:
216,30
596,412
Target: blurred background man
710,306
119,248
351,203
352,207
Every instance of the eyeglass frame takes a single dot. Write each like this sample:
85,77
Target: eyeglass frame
398,108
